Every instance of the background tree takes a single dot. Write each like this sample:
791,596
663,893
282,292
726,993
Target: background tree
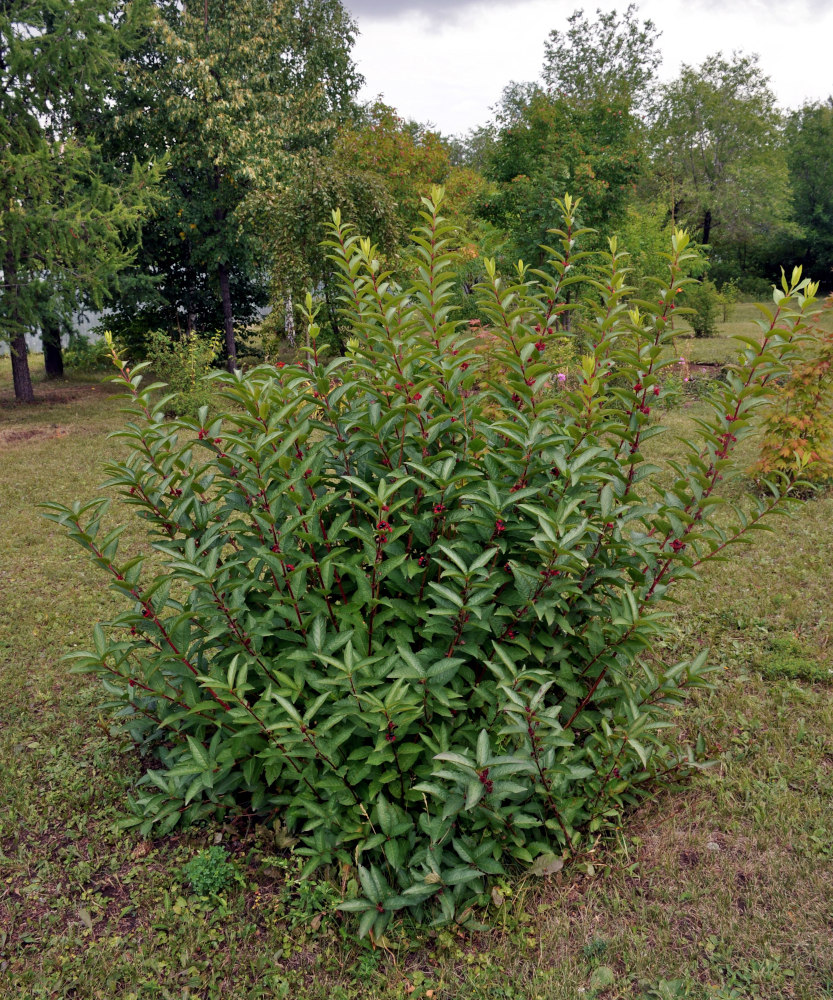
65,228
609,59
719,155
551,145
578,130
809,145
409,157
293,224
234,93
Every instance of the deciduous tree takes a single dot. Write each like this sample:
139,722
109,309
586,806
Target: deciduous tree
410,157
549,145
809,144
719,152
611,59
234,93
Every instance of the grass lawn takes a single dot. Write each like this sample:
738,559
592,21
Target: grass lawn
722,888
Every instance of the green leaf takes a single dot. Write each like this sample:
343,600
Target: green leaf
545,865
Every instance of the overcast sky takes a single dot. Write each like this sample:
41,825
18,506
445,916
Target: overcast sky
447,61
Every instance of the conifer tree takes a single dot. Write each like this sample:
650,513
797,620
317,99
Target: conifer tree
65,227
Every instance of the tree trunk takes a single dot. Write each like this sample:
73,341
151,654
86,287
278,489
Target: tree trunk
707,225
228,319
53,356
23,391
289,319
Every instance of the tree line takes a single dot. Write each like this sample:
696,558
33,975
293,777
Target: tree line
175,163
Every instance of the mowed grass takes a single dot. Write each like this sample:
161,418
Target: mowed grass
742,321
721,888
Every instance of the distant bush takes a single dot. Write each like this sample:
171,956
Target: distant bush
182,363
756,289
86,356
730,295
404,604
704,301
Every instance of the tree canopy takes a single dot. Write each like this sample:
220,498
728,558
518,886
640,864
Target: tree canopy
234,94
809,145
718,149
610,59
67,227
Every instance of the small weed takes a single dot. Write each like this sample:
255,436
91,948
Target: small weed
306,899
210,871
594,949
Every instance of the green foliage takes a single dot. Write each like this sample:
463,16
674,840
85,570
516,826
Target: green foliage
210,871
809,144
787,657
292,224
730,294
703,298
304,898
578,130
239,92
549,144
405,606
183,364
87,356
718,152
65,231
610,59
646,230
407,156
798,425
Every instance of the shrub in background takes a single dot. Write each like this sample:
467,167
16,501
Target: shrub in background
86,356
183,364
405,607
703,306
729,297
798,424
646,230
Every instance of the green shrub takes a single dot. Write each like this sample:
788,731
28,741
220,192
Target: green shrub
757,289
86,356
703,299
798,424
405,607
729,297
183,364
